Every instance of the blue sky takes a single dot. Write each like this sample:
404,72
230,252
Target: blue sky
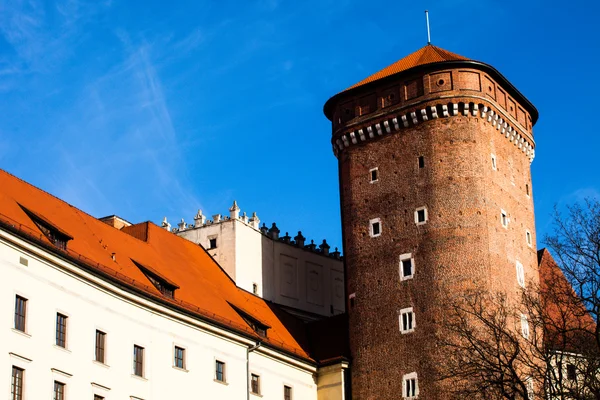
147,109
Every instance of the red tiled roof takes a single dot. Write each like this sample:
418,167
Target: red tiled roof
425,55
204,290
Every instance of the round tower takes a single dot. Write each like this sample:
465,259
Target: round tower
434,157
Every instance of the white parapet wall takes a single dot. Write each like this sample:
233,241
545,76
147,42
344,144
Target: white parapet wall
278,268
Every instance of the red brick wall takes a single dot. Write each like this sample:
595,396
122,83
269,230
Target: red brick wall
463,241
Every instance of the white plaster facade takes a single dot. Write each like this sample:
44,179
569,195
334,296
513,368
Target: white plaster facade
303,277
53,285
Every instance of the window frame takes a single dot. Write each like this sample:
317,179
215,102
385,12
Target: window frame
376,170
290,395
61,333
425,215
100,350
403,258
17,381
411,377
138,360
504,219
60,389
520,273
18,318
210,242
183,357
222,372
372,223
252,381
525,326
412,321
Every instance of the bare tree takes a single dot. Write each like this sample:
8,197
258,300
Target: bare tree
488,353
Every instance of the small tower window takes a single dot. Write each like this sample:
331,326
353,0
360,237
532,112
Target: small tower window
407,266
527,189
503,218
494,162
375,227
421,162
254,288
212,243
571,372
352,298
528,238
524,326
421,215
374,175
520,274
410,386
407,320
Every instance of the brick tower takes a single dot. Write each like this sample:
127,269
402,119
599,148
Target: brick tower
434,157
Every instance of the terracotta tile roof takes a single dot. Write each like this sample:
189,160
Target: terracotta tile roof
569,326
426,55
205,290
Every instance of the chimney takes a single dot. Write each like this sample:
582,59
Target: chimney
115,221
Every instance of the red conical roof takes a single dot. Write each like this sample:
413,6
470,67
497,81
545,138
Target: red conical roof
425,55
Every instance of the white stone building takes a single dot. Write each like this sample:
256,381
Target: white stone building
304,278
91,311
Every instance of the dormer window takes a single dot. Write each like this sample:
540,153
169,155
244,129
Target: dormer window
55,235
257,326
162,284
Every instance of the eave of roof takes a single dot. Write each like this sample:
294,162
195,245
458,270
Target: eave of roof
394,74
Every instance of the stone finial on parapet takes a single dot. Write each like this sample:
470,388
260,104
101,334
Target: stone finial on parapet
199,219
299,239
336,254
165,224
264,229
286,238
217,218
324,247
244,217
274,232
254,221
234,211
182,225
312,246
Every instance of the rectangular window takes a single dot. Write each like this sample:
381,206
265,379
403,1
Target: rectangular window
528,238
571,372
138,360
212,243
20,313
59,390
61,330
421,162
180,357
255,383
493,162
287,392
527,189
220,371
520,274
254,288
374,175
375,227
16,384
503,218
352,299
524,326
100,346
421,215
410,386
407,266
407,320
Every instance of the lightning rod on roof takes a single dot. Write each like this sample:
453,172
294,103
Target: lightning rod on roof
428,33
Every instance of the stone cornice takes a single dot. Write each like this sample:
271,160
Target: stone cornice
394,122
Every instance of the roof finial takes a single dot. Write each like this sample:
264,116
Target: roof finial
428,32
